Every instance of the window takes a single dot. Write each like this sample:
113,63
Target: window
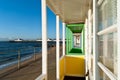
107,44
107,14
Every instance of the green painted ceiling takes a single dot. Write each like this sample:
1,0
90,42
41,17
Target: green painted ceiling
75,28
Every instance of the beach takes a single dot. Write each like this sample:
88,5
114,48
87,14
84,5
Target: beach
31,69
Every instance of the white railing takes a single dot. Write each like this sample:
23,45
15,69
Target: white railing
62,57
17,58
41,77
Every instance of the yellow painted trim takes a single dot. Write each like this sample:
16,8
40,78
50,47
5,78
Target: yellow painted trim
72,66
62,68
75,75
75,65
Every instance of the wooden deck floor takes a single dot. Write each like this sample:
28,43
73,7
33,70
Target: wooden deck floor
34,69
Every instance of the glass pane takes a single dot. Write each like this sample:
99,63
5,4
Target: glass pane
107,14
108,51
108,57
100,48
103,76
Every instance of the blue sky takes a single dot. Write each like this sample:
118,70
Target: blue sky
22,19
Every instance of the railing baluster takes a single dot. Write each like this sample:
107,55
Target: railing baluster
34,54
18,59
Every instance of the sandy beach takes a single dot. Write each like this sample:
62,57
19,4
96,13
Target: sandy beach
31,69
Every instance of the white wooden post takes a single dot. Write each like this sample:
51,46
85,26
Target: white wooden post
63,39
95,42
89,32
86,46
57,47
118,36
44,39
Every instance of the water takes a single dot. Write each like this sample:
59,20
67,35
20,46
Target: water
9,52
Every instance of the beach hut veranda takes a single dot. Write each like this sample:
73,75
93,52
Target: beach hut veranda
91,42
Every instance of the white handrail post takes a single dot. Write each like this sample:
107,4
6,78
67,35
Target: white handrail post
95,42
19,59
34,54
44,38
63,39
57,47
118,29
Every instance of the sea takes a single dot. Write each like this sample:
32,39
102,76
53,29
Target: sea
10,51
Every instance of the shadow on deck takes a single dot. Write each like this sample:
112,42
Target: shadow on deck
74,78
